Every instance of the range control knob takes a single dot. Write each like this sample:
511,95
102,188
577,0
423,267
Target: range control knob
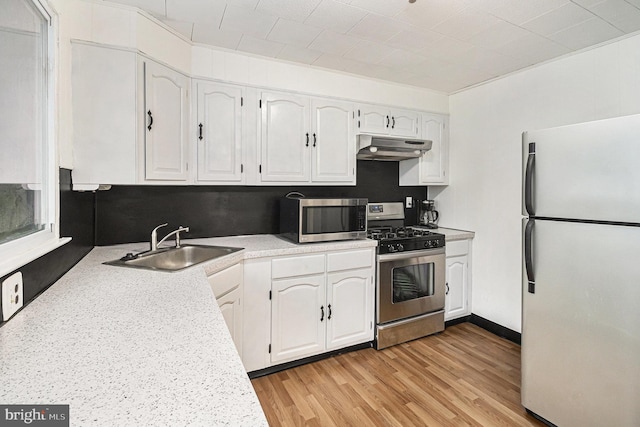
391,248
400,247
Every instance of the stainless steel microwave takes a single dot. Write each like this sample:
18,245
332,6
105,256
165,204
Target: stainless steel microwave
308,220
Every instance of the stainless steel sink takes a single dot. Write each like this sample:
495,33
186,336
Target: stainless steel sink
174,259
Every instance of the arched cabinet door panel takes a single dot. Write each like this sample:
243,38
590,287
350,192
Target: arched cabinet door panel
285,138
166,114
219,132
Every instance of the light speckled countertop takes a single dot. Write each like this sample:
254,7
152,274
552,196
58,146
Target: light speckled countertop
126,346
452,234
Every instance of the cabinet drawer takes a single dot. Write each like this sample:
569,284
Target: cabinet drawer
457,247
226,280
297,266
349,260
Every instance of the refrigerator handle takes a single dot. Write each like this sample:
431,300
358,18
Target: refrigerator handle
528,179
528,258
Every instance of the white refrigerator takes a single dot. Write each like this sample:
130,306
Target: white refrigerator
581,273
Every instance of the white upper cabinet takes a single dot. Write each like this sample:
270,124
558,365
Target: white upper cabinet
133,123
218,131
433,164
166,112
405,123
432,167
384,121
373,119
306,139
333,152
104,116
285,137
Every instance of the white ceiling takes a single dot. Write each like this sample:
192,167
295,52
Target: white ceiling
444,45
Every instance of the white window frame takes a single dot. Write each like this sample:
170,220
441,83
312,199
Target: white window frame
16,253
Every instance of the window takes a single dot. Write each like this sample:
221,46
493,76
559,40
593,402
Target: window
27,148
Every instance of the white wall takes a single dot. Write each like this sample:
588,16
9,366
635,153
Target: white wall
486,126
117,25
258,71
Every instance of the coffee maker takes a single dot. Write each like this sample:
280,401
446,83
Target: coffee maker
428,215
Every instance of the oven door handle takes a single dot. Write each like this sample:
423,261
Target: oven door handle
409,254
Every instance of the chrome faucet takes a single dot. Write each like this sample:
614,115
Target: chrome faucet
154,236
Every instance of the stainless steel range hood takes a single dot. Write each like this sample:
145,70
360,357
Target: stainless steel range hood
371,147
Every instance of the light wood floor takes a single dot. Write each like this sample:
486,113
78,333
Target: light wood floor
464,376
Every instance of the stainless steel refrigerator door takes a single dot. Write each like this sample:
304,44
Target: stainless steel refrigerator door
581,327
585,171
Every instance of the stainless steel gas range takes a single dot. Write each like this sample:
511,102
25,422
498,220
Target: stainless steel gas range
410,284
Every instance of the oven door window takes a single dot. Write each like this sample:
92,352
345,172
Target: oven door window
413,282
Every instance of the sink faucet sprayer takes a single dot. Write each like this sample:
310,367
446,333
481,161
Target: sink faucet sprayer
154,236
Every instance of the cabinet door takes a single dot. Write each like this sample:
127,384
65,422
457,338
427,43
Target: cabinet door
373,119
349,308
227,287
230,306
298,317
456,299
167,113
434,162
219,133
104,115
405,123
285,138
333,141
256,320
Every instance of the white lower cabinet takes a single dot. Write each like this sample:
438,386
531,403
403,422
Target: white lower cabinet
457,299
304,305
297,317
349,319
227,288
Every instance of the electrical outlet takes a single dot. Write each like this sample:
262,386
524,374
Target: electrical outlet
12,295
408,202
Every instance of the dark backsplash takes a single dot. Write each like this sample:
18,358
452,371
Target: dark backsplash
127,214
77,222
